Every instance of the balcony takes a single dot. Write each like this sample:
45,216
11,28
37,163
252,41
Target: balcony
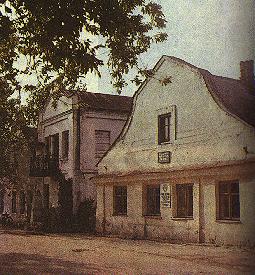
43,166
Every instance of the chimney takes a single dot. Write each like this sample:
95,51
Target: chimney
247,75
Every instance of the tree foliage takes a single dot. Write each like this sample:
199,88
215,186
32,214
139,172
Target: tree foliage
57,36
63,40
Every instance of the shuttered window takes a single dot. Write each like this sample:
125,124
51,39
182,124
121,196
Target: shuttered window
102,142
184,193
120,200
153,200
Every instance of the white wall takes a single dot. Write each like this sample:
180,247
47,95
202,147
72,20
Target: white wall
205,133
53,121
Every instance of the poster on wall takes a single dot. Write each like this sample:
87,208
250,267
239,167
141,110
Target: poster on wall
165,195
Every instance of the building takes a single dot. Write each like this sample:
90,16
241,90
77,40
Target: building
183,168
72,137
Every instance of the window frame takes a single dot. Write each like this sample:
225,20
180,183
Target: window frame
65,144
184,187
121,198
162,128
229,194
150,210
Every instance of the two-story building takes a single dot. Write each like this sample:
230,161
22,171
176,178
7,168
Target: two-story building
183,167
72,137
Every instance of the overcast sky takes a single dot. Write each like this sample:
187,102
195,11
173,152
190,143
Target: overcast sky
211,34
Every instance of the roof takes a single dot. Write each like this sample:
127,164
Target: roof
230,94
100,101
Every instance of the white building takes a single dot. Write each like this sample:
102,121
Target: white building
72,137
183,168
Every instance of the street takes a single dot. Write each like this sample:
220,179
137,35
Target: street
23,253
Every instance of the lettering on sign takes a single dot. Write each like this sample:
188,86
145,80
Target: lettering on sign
165,195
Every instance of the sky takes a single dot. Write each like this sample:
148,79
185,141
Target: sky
211,34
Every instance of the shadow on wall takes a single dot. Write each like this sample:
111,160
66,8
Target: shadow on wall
19,263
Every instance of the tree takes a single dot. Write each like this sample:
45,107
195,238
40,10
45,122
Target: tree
62,41
56,37
14,132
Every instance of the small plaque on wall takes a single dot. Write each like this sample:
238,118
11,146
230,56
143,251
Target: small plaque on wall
164,157
165,195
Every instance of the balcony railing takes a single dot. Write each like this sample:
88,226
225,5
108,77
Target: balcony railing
43,166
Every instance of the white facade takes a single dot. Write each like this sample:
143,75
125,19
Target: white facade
208,146
204,132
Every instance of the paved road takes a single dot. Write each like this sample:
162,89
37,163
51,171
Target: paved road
78,254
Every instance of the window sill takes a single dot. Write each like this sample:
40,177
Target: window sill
229,221
165,143
182,218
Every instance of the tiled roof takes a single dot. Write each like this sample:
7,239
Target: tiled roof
232,95
110,102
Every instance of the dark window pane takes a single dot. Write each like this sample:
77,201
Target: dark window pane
190,201
224,206
235,206
120,200
184,194
164,128
153,200
65,144
234,187
55,146
223,188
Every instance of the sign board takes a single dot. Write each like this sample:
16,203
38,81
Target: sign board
164,157
165,195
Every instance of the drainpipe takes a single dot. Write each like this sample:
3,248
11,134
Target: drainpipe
104,219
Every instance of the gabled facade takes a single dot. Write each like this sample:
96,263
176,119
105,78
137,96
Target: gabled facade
72,137
183,168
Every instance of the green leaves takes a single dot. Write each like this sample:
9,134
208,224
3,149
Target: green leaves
58,33
61,41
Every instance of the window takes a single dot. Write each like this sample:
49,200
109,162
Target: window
65,144
22,201
152,200
52,146
55,146
164,128
184,200
102,142
229,205
14,201
120,200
